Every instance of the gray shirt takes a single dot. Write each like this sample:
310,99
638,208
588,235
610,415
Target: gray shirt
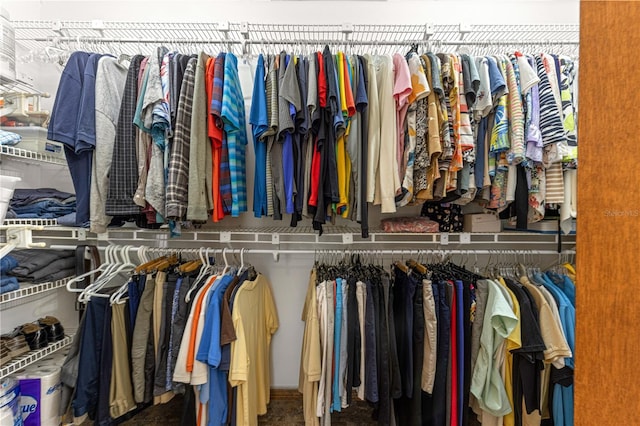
198,191
111,77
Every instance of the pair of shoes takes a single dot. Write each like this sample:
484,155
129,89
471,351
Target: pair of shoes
15,343
5,353
52,328
35,336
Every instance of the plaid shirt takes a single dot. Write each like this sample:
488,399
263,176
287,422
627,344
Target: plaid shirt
233,115
216,110
123,176
177,187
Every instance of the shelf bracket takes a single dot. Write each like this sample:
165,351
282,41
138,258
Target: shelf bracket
20,237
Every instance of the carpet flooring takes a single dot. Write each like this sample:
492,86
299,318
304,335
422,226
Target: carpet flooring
285,409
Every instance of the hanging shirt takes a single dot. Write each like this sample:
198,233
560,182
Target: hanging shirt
401,92
255,319
290,92
111,77
259,124
179,162
199,195
551,126
486,383
220,147
123,175
419,90
388,176
233,115
373,131
63,125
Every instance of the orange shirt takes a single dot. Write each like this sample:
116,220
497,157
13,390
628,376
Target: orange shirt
194,328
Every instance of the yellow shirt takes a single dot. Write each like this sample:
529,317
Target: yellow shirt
310,365
514,341
255,319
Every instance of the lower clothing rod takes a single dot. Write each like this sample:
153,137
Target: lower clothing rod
133,249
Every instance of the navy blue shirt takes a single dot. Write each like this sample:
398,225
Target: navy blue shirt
86,131
63,123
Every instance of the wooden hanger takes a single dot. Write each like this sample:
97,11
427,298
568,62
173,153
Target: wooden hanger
166,263
190,266
146,266
419,268
401,266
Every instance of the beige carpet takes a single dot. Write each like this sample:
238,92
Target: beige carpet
285,409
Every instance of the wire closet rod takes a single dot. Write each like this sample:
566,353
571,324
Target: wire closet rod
310,41
334,251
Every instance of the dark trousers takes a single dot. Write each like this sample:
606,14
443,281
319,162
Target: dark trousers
106,358
91,346
434,406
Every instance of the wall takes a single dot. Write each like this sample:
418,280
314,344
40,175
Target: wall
289,277
303,12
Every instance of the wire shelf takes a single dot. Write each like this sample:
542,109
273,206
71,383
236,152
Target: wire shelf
30,156
33,356
129,36
34,222
31,290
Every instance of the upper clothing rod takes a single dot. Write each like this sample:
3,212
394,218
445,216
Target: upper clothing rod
311,41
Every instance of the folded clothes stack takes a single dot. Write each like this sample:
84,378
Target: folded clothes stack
8,283
9,138
29,337
39,266
41,203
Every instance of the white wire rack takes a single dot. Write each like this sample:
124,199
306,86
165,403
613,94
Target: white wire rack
27,291
131,37
34,222
31,357
31,156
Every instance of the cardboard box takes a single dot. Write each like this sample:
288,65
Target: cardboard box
482,222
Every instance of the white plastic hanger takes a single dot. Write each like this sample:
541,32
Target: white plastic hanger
102,268
122,264
207,268
226,262
124,288
241,268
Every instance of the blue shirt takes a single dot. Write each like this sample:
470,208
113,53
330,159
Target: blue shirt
496,80
562,404
63,123
86,133
337,336
259,123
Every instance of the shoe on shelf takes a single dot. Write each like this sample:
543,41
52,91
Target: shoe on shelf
52,328
35,336
15,343
5,353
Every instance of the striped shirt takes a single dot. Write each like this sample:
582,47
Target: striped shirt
177,186
233,115
224,193
516,115
550,121
272,130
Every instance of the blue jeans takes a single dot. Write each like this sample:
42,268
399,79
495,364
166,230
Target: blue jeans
7,263
8,284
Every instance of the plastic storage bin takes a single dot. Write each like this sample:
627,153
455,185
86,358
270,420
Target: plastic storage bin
7,185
